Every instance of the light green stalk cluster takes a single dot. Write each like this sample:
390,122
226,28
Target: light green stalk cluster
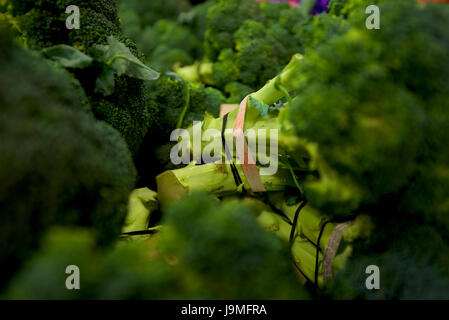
310,225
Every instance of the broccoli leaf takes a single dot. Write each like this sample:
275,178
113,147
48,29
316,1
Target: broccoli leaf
120,58
261,107
105,83
67,56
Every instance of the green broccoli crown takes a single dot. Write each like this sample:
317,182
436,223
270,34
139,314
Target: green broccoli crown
196,18
127,111
273,10
169,96
202,100
43,25
168,43
260,54
249,42
69,169
126,271
319,29
237,92
43,22
147,13
224,19
372,102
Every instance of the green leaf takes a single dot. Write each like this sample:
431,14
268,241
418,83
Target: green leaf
120,58
105,82
260,106
67,56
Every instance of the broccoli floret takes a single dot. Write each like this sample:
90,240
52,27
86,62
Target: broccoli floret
260,56
369,110
273,10
43,25
169,94
147,13
196,18
336,6
224,19
172,95
178,104
376,106
59,164
169,43
202,99
318,29
60,86
257,54
128,271
237,92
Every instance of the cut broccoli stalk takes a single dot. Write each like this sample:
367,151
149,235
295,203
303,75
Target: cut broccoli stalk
311,221
213,178
142,202
302,249
271,93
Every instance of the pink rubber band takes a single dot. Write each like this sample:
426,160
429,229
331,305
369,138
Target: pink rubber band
249,165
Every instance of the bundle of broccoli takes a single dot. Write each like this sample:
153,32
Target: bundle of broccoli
363,131
362,123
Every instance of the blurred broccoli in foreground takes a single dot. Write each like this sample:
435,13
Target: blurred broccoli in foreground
58,165
370,111
227,252
376,101
126,272
204,251
412,262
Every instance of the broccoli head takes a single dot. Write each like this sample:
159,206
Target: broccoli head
224,19
366,95
43,22
127,271
147,13
43,25
58,164
237,92
168,43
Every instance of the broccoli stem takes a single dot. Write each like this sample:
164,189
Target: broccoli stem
213,178
277,88
186,107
